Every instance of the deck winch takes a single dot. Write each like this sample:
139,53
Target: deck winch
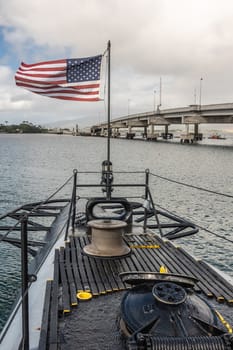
168,314
107,239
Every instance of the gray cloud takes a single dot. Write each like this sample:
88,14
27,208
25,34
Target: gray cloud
178,40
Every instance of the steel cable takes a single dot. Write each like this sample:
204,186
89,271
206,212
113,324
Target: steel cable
198,188
192,186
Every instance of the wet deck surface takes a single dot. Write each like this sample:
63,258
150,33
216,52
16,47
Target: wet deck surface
66,318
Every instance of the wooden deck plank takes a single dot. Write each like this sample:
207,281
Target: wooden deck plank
74,263
226,286
72,287
183,267
64,282
91,277
153,262
204,281
80,258
217,284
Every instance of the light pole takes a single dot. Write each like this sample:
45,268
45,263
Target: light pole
160,92
201,79
154,99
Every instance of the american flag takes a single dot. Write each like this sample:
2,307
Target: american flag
76,79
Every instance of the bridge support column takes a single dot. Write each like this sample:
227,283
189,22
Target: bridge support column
130,134
196,131
115,132
152,128
166,129
145,131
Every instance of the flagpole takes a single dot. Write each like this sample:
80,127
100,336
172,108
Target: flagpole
107,177
109,109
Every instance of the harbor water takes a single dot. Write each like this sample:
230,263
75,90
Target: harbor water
33,166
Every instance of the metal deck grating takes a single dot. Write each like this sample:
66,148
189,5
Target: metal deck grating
74,271
99,276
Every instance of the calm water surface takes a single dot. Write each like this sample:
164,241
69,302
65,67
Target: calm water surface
33,166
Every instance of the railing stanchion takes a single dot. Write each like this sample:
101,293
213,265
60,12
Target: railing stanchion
146,199
24,272
74,199
147,183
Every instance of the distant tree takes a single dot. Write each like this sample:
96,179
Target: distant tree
24,127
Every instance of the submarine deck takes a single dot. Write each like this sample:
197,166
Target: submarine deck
65,317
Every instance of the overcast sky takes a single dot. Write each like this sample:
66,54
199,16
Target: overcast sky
180,41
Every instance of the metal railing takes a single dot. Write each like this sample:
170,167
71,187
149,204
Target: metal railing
181,227
23,222
22,225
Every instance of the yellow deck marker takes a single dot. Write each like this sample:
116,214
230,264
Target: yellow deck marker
84,295
66,311
163,269
224,322
145,246
220,299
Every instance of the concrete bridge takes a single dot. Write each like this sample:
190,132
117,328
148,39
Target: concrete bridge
193,114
